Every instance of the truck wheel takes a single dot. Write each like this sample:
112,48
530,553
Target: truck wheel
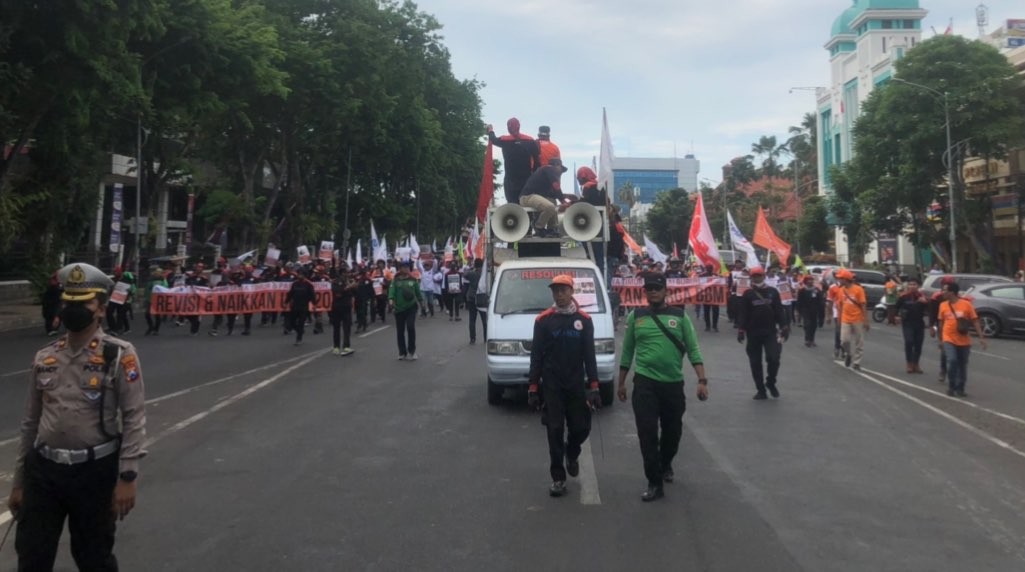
608,393
495,393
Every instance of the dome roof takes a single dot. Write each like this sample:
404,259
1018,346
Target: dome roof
842,25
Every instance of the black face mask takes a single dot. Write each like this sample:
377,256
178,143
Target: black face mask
77,317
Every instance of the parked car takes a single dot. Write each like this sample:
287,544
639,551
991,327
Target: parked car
873,281
931,283
1000,306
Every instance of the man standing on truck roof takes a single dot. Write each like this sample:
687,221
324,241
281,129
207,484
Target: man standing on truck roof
563,365
659,336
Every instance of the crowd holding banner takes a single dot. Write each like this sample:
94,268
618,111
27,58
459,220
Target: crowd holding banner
230,300
680,291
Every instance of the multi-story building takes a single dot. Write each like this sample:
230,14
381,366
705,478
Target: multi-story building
650,176
865,41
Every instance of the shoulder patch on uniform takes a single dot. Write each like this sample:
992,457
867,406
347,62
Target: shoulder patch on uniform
544,314
584,314
49,360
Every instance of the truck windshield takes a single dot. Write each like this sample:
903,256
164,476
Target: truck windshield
525,290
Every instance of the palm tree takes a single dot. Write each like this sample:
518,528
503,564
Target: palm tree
803,146
627,195
768,148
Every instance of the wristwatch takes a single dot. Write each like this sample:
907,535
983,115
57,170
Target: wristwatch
129,476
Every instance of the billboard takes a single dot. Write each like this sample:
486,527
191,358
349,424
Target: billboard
1016,28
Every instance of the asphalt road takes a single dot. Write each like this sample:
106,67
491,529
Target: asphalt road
273,457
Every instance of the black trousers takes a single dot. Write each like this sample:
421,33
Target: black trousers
82,495
473,323
565,411
658,404
914,337
451,303
772,349
153,322
341,326
711,316
811,325
298,318
731,308
361,313
50,313
405,330
193,324
380,308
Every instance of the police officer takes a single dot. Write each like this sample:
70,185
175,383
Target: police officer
74,462
660,336
563,365
762,321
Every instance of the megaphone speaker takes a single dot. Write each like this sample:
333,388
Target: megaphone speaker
510,223
581,222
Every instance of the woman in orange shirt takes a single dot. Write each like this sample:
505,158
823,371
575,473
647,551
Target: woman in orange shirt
954,315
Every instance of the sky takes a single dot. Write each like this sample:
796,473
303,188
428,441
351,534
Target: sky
707,77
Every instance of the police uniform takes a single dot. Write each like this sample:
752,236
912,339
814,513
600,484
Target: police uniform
83,429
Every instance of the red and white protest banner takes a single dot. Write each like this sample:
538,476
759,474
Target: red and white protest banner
229,300
680,291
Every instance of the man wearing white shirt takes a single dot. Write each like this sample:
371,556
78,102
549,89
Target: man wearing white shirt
427,286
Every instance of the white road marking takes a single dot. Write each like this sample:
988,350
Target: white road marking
13,373
194,388
229,378
588,477
987,354
4,517
945,396
998,442
233,399
372,332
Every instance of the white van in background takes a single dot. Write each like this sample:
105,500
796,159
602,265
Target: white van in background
518,294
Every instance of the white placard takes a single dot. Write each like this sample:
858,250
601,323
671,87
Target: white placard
304,254
120,294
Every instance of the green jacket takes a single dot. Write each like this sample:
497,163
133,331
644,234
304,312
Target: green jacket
650,352
405,293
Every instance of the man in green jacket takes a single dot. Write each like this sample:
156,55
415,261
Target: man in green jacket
656,341
403,296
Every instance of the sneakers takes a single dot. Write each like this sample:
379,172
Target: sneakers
573,467
961,393
298,343
654,492
557,489
847,360
347,351
336,351
760,396
402,357
772,390
668,475
413,357
213,333
857,367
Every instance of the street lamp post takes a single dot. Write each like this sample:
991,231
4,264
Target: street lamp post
950,168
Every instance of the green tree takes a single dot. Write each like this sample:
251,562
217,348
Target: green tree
815,233
769,150
669,219
900,140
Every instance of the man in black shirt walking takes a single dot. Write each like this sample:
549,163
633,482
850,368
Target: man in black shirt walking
912,307
760,319
563,365
300,296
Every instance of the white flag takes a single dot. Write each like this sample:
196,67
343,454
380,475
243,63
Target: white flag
740,243
359,251
653,252
374,243
381,253
348,257
414,245
605,165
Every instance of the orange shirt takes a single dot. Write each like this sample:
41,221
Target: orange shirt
949,313
852,304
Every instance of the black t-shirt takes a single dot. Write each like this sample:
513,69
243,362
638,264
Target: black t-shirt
760,311
913,309
544,182
520,155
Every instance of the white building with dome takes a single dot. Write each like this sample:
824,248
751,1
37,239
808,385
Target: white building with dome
865,41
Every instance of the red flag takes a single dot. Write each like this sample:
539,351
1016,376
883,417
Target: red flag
702,243
766,238
487,184
629,240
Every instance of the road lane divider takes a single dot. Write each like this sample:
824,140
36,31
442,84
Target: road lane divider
372,332
987,354
14,373
588,477
947,397
233,399
971,428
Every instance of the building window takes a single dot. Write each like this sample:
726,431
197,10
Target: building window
909,24
887,24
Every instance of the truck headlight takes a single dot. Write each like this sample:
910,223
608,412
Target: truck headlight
605,346
504,347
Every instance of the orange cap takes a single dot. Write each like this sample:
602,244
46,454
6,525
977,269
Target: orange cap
562,280
844,274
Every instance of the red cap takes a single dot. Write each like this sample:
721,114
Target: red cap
756,270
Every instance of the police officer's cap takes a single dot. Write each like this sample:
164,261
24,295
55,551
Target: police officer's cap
654,280
82,282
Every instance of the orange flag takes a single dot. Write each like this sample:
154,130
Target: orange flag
487,184
629,240
766,238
